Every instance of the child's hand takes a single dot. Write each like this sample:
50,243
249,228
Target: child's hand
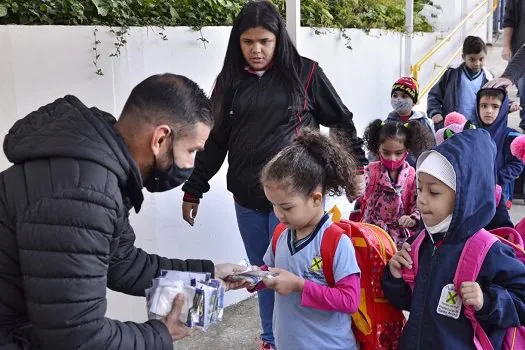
406,221
400,261
437,118
514,107
285,283
472,295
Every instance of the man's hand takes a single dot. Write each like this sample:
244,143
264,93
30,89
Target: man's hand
506,53
172,321
285,283
189,212
407,222
224,270
498,83
437,118
472,295
400,261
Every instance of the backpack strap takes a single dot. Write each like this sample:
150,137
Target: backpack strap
331,237
409,275
374,173
279,229
407,193
469,265
497,194
305,101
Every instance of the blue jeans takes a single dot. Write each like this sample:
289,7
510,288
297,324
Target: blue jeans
256,229
508,192
498,16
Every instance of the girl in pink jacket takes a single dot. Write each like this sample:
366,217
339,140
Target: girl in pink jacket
390,197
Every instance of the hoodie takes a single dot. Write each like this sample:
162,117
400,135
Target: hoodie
502,276
65,234
507,167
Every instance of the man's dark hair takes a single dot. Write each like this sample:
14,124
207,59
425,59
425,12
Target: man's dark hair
168,99
473,45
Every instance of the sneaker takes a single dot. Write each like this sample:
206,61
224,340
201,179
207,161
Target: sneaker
267,346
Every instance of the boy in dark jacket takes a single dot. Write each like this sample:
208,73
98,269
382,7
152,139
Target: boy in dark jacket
492,115
456,200
456,90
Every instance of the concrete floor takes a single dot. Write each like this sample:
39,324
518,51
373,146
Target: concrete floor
239,329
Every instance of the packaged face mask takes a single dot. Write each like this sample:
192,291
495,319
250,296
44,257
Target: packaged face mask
203,298
251,275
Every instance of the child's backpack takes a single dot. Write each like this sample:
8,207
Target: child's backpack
377,324
469,265
520,227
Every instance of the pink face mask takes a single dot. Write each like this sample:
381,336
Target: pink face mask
393,164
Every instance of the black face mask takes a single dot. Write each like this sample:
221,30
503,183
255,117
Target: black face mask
161,181
165,180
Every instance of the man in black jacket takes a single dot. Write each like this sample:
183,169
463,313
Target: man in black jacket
513,73
513,39
64,206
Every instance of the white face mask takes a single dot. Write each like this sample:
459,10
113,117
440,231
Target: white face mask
443,226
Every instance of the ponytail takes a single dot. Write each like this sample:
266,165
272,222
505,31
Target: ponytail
314,160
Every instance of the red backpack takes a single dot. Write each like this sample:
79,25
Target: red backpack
469,265
377,324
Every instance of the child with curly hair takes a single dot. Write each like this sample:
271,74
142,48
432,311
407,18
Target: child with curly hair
390,196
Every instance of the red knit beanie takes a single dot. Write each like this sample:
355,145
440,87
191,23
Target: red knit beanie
407,85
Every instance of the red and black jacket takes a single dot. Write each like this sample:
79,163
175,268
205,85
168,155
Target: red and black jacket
260,121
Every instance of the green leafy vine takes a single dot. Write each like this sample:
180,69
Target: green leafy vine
119,15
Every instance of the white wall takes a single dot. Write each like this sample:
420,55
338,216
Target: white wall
40,64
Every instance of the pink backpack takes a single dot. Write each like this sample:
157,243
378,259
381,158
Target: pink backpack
470,262
520,227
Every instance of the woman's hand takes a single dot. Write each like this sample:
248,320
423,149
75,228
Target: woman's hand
189,212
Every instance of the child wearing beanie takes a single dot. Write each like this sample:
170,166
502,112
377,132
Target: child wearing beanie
403,98
456,200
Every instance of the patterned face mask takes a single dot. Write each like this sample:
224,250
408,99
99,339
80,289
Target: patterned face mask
402,105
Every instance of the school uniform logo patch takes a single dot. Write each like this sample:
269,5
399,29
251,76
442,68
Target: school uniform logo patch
315,270
317,264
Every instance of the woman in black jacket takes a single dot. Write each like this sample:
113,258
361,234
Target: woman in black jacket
264,95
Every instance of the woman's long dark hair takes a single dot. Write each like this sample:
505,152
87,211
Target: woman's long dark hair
287,61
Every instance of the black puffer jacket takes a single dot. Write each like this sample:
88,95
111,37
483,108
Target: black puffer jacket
65,234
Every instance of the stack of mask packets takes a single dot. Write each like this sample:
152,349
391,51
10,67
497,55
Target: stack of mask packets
204,297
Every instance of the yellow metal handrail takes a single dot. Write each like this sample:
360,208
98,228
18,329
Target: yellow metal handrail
417,66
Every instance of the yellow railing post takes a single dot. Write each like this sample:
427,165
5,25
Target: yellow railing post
417,66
